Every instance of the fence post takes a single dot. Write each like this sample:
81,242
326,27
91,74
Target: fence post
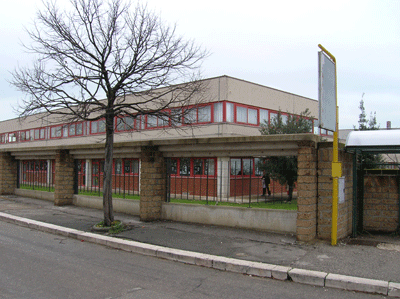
8,173
307,192
64,178
152,183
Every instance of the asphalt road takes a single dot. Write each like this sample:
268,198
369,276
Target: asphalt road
34,264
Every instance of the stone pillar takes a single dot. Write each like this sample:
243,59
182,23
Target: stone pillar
325,185
8,173
307,192
152,183
64,178
223,178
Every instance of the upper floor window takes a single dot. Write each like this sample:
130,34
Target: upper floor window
98,126
154,121
200,114
25,135
12,137
263,117
56,132
246,115
40,133
218,112
75,129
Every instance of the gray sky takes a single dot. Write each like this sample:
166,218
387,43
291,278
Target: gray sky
273,43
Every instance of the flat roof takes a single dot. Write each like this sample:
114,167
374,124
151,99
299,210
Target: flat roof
373,138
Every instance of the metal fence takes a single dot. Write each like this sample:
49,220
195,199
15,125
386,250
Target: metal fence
125,177
241,182
36,175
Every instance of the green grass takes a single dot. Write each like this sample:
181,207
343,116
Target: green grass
278,205
38,188
115,195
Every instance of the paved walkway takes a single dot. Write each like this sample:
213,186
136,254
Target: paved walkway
372,264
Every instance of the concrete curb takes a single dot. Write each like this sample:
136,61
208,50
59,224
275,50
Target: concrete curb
315,278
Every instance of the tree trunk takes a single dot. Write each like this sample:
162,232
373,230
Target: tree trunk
108,166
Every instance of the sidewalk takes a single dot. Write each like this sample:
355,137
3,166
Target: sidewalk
378,257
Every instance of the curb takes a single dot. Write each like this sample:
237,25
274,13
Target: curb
314,278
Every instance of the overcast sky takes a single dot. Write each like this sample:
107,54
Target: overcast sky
272,43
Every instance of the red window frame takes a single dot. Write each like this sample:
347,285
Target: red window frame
60,127
97,128
23,132
16,137
247,107
196,109
3,138
75,124
239,172
160,123
40,133
121,120
191,170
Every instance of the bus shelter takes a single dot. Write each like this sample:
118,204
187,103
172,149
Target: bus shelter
373,142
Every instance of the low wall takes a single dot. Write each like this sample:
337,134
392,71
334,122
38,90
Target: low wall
35,194
120,205
281,221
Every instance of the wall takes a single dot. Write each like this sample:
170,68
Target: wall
381,203
281,221
325,193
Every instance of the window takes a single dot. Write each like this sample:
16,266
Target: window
204,114
192,166
229,112
151,121
126,123
263,117
184,168
39,133
198,115
56,132
131,166
117,166
274,115
12,137
218,112
154,121
204,167
176,117
25,135
98,126
242,166
173,166
246,115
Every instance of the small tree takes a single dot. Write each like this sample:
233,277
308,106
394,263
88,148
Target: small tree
284,169
105,49
368,161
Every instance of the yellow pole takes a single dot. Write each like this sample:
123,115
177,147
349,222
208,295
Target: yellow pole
336,165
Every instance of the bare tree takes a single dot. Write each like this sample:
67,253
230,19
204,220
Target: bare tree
101,59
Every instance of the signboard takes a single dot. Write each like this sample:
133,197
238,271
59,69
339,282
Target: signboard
342,181
327,92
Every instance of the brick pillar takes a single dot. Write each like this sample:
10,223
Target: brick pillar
152,183
8,173
307,192
64,178
325,185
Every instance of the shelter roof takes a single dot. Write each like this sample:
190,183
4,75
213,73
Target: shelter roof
384,141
